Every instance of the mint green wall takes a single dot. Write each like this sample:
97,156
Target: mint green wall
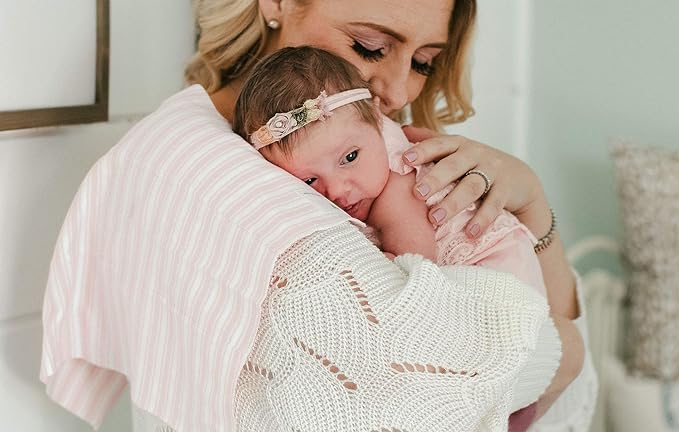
599,70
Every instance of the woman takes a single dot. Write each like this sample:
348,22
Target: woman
163,229
235,36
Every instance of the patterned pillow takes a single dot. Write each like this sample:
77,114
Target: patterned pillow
648,188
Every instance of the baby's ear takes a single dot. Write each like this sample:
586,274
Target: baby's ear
378,112
379,117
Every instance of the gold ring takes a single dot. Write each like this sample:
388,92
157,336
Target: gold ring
483,176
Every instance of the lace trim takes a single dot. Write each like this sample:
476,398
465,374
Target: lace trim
457,248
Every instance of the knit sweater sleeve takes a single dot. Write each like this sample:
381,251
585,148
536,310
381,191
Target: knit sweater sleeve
574,409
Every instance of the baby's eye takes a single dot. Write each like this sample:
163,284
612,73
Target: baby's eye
351,157
310,180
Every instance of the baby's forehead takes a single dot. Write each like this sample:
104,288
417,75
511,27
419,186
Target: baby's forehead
343,131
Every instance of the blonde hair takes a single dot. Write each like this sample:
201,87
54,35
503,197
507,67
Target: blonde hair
285,79
233,34
231,39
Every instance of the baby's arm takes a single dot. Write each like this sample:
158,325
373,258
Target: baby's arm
401,220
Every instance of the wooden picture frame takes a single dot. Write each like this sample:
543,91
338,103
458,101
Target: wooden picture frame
96,112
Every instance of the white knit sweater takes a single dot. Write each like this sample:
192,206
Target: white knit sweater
360,344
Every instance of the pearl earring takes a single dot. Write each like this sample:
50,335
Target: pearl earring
273,24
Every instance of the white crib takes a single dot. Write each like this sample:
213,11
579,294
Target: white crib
604,294
626,402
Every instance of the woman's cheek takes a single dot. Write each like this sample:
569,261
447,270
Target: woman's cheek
416,87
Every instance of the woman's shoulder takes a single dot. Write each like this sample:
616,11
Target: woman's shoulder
192,104
194,94
186,120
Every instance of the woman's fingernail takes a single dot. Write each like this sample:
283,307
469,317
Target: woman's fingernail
410,156
474,230
439,214
423,189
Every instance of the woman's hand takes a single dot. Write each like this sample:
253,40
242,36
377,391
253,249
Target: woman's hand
514,186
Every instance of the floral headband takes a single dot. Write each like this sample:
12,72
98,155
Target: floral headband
283,124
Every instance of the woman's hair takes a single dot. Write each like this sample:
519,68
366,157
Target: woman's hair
233,34
285,79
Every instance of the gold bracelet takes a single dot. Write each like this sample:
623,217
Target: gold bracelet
545,241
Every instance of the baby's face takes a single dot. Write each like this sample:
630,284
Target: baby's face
343,158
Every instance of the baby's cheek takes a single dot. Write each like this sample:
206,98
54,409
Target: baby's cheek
381,181
368,206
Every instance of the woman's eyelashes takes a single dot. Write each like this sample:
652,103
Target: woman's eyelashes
375,55
425,69
368,54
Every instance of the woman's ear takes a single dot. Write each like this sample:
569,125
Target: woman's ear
271,9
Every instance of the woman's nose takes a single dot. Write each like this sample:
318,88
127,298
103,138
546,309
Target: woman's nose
390,84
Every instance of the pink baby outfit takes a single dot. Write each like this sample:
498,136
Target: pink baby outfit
507,245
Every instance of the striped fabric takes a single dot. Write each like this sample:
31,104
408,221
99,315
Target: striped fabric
161,265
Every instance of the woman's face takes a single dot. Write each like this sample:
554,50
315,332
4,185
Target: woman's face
392,42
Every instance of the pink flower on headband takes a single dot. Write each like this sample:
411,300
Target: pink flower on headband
283,124
280,124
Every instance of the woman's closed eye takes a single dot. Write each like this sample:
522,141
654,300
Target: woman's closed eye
424,58
425,69
374,55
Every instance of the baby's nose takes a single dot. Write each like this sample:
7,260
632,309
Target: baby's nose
338,192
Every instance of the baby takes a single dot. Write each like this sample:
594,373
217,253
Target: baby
310,113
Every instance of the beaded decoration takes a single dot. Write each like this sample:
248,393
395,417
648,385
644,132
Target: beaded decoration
545,241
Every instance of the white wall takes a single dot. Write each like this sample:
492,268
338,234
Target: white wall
599,70
555,82
499,76
40,171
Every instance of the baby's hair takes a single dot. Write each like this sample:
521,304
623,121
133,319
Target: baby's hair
284,80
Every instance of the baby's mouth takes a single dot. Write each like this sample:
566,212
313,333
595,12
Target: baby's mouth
352,208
